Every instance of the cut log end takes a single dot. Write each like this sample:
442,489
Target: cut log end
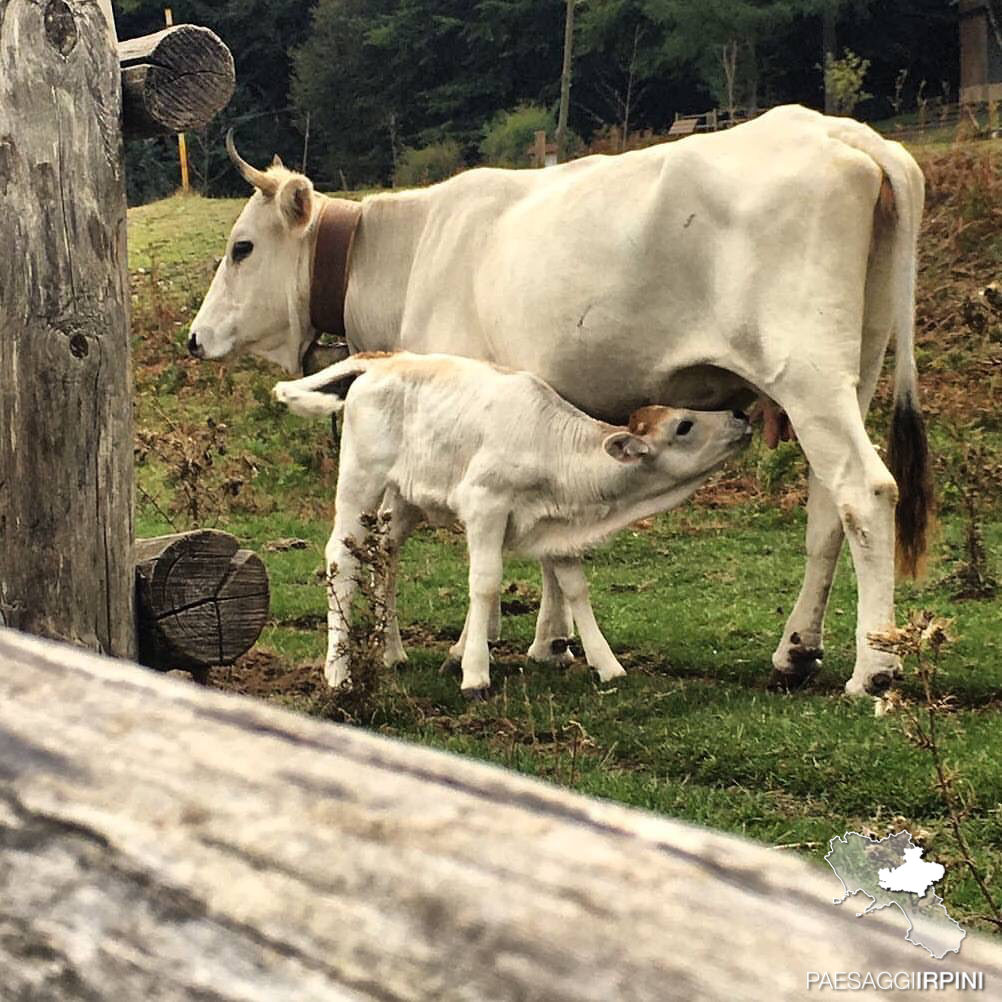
201,601
175,80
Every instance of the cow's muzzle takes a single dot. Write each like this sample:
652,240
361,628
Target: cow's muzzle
194,348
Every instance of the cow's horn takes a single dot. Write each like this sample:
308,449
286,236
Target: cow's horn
266,183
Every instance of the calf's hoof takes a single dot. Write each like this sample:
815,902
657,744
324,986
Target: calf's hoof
336,678
609,674
394,659
557,652
476,695
450,666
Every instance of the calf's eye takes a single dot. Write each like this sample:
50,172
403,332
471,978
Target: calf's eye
241,249
684,427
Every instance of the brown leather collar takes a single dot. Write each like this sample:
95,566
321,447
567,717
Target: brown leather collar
336,224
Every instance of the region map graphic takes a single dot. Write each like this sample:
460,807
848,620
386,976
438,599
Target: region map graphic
891,871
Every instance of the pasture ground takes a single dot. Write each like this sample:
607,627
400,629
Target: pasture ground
693,602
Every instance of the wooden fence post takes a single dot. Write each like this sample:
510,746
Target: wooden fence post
66,470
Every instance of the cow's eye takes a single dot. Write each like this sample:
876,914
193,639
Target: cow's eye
241,249
684,427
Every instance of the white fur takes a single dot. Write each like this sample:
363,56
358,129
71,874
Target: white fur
521,469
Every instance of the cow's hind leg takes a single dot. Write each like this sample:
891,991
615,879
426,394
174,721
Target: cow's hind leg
863,494
798,657
554,624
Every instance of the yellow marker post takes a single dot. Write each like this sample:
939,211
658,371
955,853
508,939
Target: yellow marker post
182,145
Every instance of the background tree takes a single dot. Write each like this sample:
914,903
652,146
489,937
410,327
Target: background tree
620,55
378,76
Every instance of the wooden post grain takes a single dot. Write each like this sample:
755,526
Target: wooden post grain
65,388
163,841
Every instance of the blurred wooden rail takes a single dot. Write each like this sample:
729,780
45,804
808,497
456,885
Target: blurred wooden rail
162,841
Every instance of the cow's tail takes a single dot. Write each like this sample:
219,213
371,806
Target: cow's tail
326,391
899,207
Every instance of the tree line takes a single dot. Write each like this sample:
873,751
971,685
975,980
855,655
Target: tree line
350,88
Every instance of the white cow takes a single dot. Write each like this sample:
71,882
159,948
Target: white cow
773,259
522,469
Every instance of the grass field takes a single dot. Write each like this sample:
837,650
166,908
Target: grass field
692,602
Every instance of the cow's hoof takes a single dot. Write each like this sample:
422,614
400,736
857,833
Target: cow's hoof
476,695
803,664
875,685
879,684
397,661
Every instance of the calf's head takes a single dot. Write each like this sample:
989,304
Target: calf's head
258,301
679,446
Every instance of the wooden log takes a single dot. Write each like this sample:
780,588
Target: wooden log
284,859
66,470
173,80
200,599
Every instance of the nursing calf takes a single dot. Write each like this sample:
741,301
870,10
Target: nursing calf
519,466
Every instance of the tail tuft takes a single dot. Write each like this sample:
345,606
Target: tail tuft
908,459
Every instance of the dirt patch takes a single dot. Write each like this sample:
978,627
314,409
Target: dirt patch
264,675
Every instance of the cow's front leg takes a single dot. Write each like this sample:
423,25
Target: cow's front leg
554,624
798,657
864,495
484,535
574,585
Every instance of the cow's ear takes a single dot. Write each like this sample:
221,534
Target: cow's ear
295,200
626,448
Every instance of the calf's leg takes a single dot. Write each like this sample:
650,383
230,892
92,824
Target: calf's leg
484,536
404,518
355,496
570,575
554,624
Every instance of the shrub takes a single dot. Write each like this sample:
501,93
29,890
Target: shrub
509,135
844,80
429,164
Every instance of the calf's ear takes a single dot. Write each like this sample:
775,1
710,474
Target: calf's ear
626,448
295,200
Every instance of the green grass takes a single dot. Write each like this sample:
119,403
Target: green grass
693,605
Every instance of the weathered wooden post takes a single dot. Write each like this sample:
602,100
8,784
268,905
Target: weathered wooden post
67,569
164,841
65,396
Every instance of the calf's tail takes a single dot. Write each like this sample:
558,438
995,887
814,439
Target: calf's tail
325,391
